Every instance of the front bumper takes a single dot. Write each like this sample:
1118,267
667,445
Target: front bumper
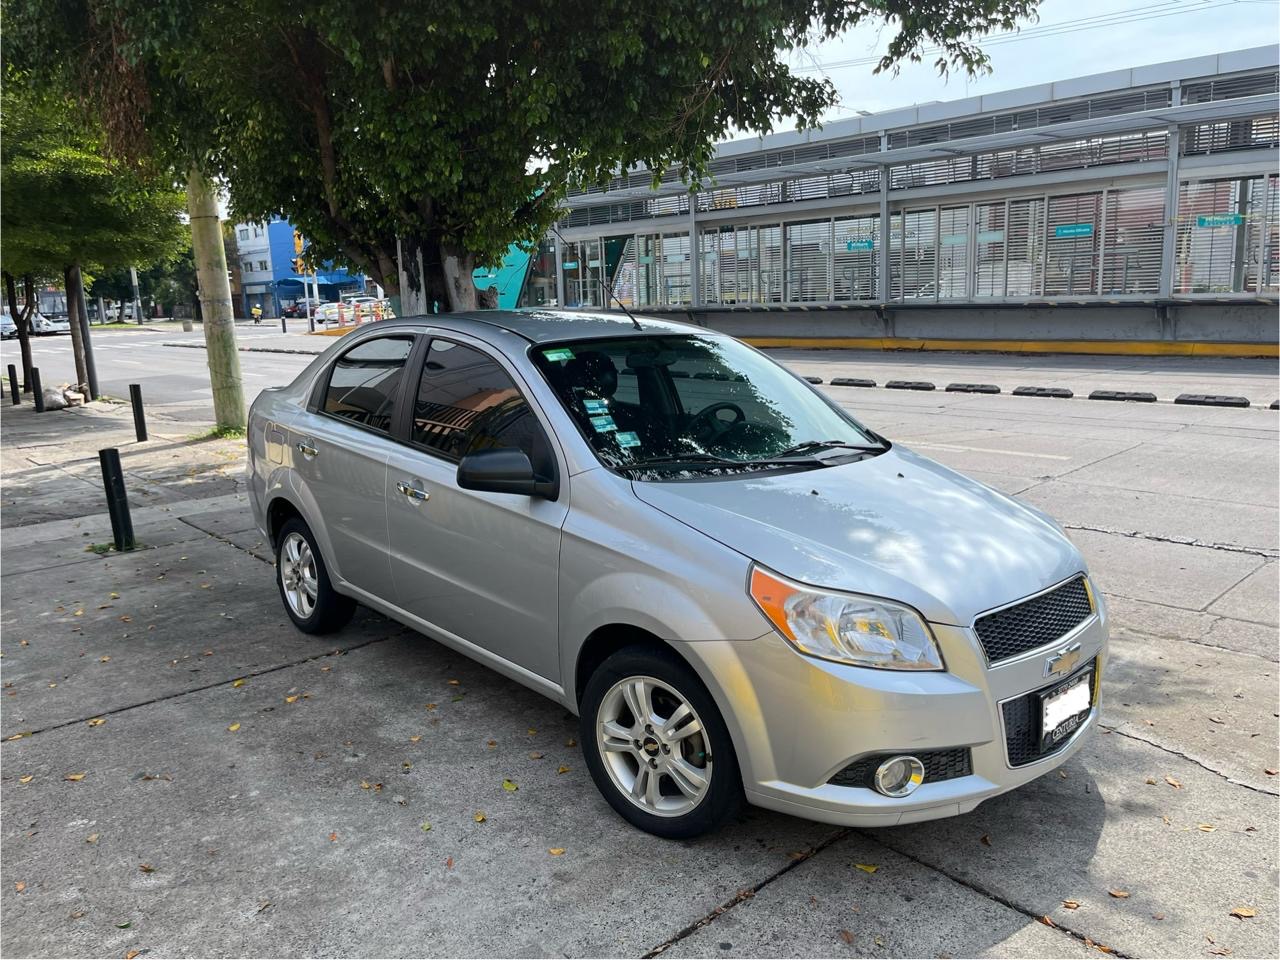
797,721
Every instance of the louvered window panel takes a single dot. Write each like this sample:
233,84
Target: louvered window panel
1256,133
624,277
857,240
712,246
673,266
770,246
953,253
1263,252
1208,239
809,262
582,272
1024,269
1071,253
895,256
989,249
920,255
1134,241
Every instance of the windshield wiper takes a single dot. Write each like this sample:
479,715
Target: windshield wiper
830,445
707,460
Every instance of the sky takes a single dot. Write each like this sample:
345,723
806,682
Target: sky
1169,30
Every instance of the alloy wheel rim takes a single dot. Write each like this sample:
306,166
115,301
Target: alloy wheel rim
298,575
654,746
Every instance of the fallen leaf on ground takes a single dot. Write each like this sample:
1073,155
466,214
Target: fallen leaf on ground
556,851
114,595
104,659
1215,719
1173,782
74,777
1151,780
1270,772
1047,922
847,937
96,721
454,683
1157,916
27,779
264,905
535,755
492,744
562,769
509,786
448,864
146,868
479,817
79,613
571,742
1206,827
532,731
131,954
234,727
432,706
333,837
238,683
867,867
1071,904
293,699
425,826
124,926
128,619
365,785
986,839
19,886
1244,913
1119,894
415,738
92,838
17,736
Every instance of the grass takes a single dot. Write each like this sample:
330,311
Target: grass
220,433
109,547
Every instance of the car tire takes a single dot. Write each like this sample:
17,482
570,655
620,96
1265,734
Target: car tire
308,595
671,755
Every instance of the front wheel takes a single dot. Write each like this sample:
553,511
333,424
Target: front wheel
309,598
656,745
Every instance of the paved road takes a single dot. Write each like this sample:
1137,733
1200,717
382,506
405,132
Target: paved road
301,831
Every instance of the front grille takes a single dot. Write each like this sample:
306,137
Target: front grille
1034,623
938,765
1022,727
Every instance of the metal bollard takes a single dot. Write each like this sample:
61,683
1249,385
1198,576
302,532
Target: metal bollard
283,328
37,392
139,415
13,385
117,499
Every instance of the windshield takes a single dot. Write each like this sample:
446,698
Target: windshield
697,403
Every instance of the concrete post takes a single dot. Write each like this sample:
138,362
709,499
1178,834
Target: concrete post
1168,262
695,254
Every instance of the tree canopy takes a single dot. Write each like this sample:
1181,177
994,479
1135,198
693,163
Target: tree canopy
63,202
453,129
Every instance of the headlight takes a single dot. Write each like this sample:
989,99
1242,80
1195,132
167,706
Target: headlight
863,631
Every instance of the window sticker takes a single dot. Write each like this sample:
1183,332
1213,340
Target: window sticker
558,353
596,406
603,424
627,438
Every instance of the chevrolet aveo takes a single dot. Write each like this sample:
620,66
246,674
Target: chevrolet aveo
742,592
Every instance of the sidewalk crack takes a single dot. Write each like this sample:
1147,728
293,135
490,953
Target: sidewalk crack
1263,552
1199,763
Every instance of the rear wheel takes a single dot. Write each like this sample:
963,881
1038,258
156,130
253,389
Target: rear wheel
656,745
309,598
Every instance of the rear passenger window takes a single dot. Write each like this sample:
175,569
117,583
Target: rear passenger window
467,402
365,380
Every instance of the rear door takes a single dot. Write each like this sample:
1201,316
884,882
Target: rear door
482,567
339,448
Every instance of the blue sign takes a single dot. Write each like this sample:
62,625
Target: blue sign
859,244
1220,220
1074,230
570,265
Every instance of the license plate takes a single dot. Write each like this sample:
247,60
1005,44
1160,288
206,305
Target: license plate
1063,709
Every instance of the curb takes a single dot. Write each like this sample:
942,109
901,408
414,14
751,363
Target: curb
972,388
1135,397
909,385
1211,400
200,346
1061,393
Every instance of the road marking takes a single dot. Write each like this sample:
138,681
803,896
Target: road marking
961,449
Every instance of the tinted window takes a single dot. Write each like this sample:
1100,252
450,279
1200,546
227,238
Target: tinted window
365,380
467,402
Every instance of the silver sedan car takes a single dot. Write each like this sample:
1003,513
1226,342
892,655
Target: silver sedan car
743,592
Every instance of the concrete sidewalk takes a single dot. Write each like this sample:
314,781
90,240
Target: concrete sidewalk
186,774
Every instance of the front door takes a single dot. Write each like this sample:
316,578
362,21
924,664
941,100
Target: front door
483,567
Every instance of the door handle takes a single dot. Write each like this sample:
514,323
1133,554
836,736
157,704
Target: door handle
412,492
307,450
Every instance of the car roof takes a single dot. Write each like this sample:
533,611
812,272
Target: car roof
542,325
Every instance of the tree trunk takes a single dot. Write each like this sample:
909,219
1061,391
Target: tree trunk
435,277
71,281
215,302
22,321
458,268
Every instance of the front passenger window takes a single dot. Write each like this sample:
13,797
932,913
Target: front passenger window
365,380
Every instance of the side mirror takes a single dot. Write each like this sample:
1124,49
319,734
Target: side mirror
504,470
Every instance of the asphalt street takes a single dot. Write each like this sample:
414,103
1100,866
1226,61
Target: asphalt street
251,790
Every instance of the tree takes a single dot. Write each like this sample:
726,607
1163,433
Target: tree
66,207
420,135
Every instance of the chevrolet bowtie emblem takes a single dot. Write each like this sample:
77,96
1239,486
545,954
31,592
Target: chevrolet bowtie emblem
1062,662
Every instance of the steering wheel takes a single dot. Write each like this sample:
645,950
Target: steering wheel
706,425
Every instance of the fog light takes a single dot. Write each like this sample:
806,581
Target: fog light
899,776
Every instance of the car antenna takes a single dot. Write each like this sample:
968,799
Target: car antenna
608,287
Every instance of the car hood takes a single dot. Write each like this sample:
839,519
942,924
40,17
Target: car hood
897,525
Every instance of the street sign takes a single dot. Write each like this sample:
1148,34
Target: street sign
1220,220
859,244
570,265
1068,230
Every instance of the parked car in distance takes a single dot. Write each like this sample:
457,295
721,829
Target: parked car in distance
742,591
8,328
47,326
299,307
